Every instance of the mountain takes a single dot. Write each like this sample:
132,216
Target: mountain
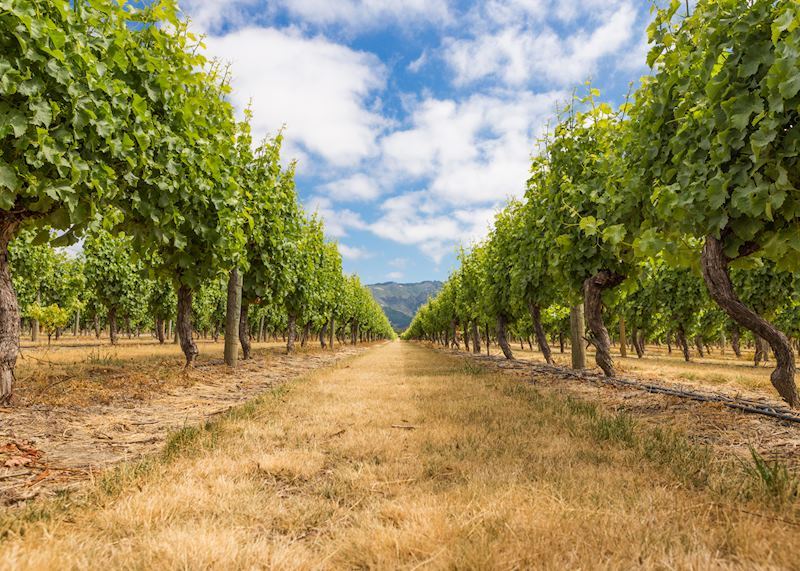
401,301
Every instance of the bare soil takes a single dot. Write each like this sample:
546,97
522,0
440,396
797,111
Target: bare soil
75,416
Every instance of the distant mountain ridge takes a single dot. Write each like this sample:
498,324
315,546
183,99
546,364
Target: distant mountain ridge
400,302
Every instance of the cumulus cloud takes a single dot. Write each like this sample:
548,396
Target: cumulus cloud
451,154
322,91
474,151
359,187
517,54
353,252
337,222
415,219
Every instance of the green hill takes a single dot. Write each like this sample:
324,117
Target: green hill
401,301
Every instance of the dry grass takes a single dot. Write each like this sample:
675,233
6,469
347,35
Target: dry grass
494,474
83,371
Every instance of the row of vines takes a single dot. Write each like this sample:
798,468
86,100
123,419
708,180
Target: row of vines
674,216
117,133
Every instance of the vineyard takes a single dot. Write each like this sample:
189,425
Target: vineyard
190,378
672,219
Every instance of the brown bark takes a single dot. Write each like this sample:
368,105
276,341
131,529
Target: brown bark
669,342
333,332
184,324
454,326
538,329
502,340
715,272
577,329
623,339
593,289
9,319
306,333
34,322
466,337
635,341
291,333
487,339
698,342
762,351
735,341
244,331
476,338
112,325
680,337
322,336
160,330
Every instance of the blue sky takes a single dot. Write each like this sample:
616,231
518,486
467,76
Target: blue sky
414,120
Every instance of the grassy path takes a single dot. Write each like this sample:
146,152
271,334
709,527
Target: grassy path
405,458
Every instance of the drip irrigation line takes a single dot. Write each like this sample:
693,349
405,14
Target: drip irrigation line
740,404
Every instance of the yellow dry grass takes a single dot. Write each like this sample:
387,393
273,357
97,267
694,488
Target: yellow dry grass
84,371
408,459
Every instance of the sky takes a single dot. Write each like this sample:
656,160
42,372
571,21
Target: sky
413,121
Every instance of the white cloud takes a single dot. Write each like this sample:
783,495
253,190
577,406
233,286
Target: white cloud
337,222
353,252
368,13
416,65
322,91
395,275
518,54
415,219
471,152
358,187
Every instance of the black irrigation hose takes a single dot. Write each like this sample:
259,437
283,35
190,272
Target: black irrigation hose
743,405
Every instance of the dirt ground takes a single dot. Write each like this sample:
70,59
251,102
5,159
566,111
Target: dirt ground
81,406
407,458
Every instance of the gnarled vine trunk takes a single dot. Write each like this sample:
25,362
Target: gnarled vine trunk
291,334
184,324
244,331
762,351
333,332
9,319
112,325
680,337
502,340
715,263
160,331
593,289
699,344
538,329
476,338
736,342
454,327
306,334
322,332
623,339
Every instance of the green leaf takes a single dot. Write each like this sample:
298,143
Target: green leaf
8,181
614,234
